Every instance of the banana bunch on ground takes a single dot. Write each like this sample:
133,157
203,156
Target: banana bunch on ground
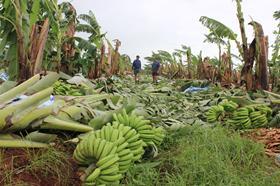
110,151
251,117
66,89
158,135
218,112
260,116
241,118
229,106
143,127
102,159
129,146
135,144
215,113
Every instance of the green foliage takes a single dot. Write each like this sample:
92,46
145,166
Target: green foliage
218,28
198,155
275,60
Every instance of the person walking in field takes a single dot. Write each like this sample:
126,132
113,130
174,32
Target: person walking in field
155,70
136,67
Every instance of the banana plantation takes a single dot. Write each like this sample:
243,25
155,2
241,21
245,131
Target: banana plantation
72,112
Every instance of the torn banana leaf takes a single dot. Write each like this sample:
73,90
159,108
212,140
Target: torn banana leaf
91,98
75,112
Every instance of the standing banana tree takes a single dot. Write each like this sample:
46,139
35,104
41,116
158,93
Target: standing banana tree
275,61
124,64
94,46
258,49
219,32
115,59
186,51
23,37
171,64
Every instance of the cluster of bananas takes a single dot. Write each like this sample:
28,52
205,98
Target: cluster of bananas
102,154
229,106
215,113
218,112
115,147
66,89
251,117
149,134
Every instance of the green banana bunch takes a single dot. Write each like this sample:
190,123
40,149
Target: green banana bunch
260,116
241,118
92,148
135,144
158,135
66,89
215,113
229,106
258,119
143,127
251,116
112,149
264,110
102,154
128,145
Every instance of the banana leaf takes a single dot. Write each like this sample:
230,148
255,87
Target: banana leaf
75,112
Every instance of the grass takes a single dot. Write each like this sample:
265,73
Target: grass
49,163
35,166
205,156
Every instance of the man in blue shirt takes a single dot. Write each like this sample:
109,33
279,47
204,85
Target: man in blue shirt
155,70
136,67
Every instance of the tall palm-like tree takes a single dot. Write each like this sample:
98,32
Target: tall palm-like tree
95,43
186,51
275,61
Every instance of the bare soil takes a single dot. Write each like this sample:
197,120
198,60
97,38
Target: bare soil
13,171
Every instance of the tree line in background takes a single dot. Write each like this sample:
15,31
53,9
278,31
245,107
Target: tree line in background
36,36
255,71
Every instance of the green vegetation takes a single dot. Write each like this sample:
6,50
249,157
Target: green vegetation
197,155
70,113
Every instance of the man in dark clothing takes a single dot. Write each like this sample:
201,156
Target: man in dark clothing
136,67
155,70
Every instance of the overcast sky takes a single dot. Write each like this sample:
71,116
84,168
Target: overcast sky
144,26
